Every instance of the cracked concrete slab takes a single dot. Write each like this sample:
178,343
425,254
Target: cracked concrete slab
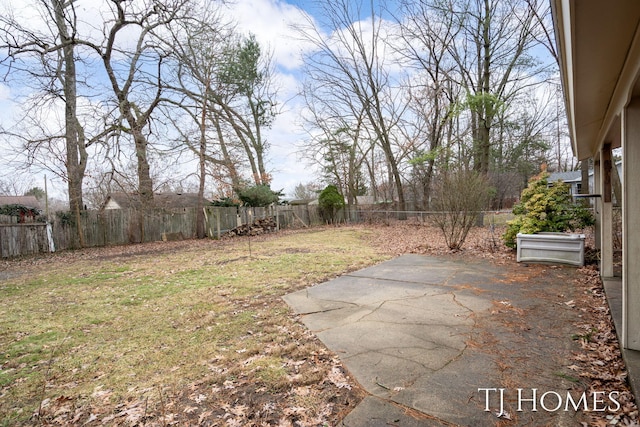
405,329
382,413
400,328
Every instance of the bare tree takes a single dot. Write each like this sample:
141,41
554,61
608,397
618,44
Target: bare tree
13,186
228,81
493,50
135,73
433,96
338,142
348,68
459,198
305,191
46,56
198,47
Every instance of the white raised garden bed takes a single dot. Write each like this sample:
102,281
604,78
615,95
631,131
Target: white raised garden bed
561,248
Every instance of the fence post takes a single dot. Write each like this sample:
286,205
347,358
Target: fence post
52,246
218,223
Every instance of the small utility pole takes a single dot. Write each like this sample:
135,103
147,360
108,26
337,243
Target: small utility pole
46,199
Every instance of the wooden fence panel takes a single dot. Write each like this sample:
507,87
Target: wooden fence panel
121,226
297,216
226,218
153,222
23,239
93,229
64,234
177,221
114,226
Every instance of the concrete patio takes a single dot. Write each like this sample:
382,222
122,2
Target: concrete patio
430,338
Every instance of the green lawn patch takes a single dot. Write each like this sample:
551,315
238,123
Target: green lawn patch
91,334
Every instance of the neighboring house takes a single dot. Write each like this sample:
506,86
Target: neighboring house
573,178
28,201
169,201
599,54
30,207
119,201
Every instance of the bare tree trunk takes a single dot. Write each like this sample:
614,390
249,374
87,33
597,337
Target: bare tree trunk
226,157
200,229
125,86
75,165
486,113
258,145
145,183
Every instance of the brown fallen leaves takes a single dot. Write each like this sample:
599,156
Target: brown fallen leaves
315,390
418,237
601,361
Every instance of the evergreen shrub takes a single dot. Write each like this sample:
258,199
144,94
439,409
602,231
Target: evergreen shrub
546,208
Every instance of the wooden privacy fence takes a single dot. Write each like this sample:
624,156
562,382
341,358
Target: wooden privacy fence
122,226
25,239
126,226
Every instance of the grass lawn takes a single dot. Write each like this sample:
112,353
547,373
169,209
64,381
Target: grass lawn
182,332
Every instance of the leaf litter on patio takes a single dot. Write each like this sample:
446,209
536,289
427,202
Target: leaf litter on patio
596,363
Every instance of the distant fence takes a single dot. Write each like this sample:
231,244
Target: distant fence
121,226
22,239
372,215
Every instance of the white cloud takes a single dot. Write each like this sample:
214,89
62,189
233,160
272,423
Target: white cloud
285,138
272,23
7,105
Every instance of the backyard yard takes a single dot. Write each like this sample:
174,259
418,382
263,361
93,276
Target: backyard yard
196,332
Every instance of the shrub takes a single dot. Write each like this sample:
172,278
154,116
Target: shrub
225,202
258,196
23,213
545,207
330,201
459,198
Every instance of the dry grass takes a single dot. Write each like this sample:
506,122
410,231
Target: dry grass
84,333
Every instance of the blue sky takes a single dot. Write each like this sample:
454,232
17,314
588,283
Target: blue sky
271,22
